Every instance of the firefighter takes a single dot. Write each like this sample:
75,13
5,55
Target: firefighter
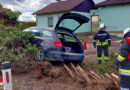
122,63
102,40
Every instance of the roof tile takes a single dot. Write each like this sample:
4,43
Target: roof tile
59,6
113,2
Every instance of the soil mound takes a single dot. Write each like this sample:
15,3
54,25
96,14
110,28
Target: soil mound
58,74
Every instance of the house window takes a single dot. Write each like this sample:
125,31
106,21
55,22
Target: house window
50,21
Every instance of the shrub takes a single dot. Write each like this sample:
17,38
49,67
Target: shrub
14,44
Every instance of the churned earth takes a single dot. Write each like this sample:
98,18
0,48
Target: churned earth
53,76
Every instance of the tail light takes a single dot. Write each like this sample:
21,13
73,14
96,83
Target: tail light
57,44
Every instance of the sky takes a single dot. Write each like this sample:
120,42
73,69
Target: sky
27,7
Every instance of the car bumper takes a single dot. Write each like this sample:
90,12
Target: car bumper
63,56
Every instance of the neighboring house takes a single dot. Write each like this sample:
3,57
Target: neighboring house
49,15
114,13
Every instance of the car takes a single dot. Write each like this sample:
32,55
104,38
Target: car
60,44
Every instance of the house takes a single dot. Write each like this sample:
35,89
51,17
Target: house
114,13
49,15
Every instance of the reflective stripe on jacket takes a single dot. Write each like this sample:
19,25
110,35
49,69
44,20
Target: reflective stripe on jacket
102,38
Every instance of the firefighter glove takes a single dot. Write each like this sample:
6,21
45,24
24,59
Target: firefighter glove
94,44
109,43
116,64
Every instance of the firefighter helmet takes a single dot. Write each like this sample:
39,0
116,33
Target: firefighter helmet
102,25
126,31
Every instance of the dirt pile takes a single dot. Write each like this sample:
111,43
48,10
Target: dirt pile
47,69
72,77
24,66
55,77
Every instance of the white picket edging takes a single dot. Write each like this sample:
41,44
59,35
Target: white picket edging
6,74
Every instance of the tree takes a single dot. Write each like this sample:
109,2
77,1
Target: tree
12,15
1,6
8,17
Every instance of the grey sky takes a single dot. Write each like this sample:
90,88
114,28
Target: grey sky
27,7
7,1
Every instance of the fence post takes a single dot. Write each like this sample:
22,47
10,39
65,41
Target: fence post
6,74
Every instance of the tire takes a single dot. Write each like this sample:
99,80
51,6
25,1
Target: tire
40,55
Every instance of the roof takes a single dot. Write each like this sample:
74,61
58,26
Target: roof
112,2
59,6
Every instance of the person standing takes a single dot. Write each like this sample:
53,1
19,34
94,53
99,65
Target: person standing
122,63
102,40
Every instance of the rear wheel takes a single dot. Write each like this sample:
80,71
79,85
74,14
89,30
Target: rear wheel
40,55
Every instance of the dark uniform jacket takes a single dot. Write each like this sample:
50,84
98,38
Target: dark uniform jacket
123,59
102,38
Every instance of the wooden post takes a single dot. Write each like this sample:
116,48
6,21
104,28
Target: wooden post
69,71
75,69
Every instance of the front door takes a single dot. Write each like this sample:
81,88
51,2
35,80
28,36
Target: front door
94,23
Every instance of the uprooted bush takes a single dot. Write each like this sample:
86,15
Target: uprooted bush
15,47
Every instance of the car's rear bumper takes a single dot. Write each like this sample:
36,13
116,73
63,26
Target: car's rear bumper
64,56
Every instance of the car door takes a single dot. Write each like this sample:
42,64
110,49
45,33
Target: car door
71,22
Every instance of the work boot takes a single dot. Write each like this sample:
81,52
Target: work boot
99,61
106,58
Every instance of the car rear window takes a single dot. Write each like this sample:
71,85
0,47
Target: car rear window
70,24
46,34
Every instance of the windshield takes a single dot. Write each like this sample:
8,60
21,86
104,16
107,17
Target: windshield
69,24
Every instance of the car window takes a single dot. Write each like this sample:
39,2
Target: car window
28,30
60,36
68,38
34,31
46,34
69,23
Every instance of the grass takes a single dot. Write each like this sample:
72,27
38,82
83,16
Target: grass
106,66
